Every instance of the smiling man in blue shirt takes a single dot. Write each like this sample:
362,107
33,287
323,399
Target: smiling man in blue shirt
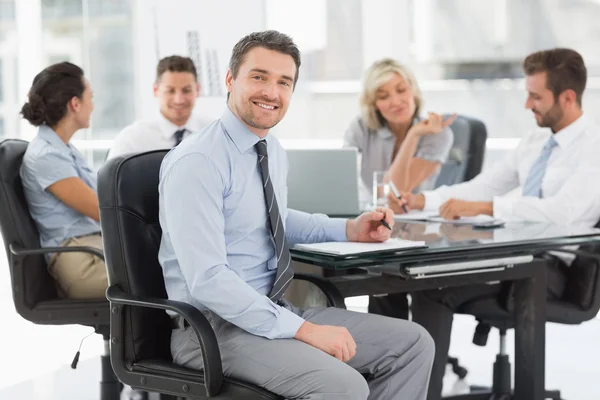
225,249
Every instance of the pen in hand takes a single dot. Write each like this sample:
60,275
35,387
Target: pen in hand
397,194
384,223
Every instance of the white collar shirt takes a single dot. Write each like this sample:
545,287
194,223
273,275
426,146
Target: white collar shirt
155,134
570,183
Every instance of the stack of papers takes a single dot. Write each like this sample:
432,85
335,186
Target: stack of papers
417,216
351,248
481,219
432,216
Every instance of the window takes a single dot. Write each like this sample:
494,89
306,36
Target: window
7,10
7,69
97,36
466,55
341,58
1,81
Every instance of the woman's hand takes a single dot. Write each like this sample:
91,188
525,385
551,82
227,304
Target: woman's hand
434,124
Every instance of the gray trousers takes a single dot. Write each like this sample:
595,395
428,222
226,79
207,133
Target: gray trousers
395,356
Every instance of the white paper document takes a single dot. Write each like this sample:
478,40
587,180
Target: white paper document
348,248
480,219
434,216
413,215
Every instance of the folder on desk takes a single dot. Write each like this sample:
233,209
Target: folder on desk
356,248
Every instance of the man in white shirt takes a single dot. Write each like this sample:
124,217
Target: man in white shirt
176,88
556,171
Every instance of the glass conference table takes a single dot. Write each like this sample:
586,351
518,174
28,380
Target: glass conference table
460,255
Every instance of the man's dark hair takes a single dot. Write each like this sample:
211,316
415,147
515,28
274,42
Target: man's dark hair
270,40
176,64
51,92
565,69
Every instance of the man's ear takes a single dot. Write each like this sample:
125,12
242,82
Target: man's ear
569,97
229,80
197,89
155,89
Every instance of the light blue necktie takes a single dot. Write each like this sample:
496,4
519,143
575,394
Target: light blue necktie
533,183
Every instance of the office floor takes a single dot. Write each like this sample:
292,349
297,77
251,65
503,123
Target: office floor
36,359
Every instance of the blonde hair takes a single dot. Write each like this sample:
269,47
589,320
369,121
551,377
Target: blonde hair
378,74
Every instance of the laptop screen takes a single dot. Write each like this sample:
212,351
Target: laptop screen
324,181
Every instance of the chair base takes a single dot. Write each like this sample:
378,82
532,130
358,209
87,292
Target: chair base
481,393
502,387
470,396
110,387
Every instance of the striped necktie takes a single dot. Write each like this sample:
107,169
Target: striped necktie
178,136
533,183
285,272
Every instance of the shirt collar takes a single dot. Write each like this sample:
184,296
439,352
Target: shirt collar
385,132
242,137
566,136
48,134
167,127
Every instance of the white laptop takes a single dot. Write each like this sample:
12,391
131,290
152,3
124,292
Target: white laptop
324,181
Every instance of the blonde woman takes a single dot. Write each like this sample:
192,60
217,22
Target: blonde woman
391,136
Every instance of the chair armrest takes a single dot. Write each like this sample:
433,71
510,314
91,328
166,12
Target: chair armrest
211,356
333,295
22,252
580,253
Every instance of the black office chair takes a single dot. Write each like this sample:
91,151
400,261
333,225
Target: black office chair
34,290
464,163
466,156
140,327
580,303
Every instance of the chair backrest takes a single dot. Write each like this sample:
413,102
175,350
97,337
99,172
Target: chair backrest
583,280
128,197
31,282
466,156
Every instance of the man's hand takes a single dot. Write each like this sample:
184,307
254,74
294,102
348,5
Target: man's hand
454,209
367,227
333,340
409,200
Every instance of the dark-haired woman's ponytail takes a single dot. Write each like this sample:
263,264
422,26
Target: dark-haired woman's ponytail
34,110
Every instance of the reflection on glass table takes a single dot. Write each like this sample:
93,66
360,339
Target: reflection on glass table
446,235
449,241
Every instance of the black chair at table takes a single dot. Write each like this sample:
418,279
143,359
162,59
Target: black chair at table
580,303
464,163
140,327
466,155
34,290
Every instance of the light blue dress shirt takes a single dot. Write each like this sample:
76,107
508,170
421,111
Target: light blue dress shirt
49,160
216,250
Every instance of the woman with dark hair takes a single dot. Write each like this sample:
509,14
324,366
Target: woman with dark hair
59,186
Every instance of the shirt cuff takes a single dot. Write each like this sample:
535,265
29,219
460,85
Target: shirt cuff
433,201
335,229
503,207
287,324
